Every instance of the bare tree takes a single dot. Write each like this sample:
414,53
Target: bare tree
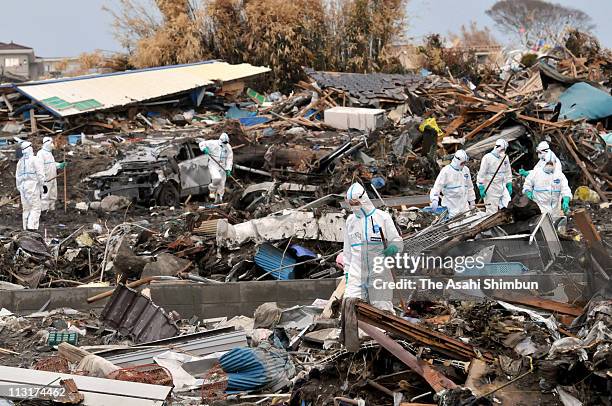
473,36
531,21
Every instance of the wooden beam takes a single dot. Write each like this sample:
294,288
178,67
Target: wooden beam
495,118
7,102
583,167
33,129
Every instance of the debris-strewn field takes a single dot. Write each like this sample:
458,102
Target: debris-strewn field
133,216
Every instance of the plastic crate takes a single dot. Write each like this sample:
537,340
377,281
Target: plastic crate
62,337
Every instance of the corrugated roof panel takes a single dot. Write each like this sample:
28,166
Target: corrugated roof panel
250,369
270,259
123,88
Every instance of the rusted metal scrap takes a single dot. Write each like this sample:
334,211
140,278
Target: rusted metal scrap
396,325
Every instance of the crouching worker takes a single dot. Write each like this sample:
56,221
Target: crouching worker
369,236
548,187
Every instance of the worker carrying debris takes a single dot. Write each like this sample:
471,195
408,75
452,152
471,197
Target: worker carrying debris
548,187
495,178
49,189
219,165
29,178
455,184
369,235
542,150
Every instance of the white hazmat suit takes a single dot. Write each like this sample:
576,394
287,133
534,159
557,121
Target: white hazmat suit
366,232
219,165
455,184
29,179
49,197
548,187
499,187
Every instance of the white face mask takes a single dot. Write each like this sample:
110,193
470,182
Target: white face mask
549,168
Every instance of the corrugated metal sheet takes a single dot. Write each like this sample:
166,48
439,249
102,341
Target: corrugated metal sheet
270,259
123,88
250,369
198,347
137,317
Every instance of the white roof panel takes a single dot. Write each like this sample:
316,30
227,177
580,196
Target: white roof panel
122,88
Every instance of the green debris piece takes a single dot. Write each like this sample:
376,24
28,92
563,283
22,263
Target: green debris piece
87,104
56,337
57,103
259,98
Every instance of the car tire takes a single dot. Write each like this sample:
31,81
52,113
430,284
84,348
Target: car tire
168,195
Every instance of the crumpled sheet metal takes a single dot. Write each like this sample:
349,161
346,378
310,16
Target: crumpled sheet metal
290,223
137,317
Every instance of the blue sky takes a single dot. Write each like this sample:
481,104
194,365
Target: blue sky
69,27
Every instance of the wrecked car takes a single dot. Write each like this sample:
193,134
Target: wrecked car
160,173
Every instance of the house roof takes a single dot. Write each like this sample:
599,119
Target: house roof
81,94
12,46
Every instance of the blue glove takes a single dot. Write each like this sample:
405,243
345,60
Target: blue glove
228,172
523,172
481,189
529,194
206,151
390,251
60,165
565,204
509,187
434,205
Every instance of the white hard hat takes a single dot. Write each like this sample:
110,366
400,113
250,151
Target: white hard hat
25,145
543,146
461,156
502,143
47,139
224,138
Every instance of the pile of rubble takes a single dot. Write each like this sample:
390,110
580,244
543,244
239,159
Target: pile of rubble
135,221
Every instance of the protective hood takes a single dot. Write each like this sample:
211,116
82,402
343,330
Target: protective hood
549,157
224,138
500,148
26,149
542,149
48,144
357,192
460,158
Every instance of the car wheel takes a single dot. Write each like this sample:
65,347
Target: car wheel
168,195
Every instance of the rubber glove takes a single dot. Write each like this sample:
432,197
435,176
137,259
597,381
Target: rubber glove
228,172
45,189
509,187
472,204
481,189
60,165
206,151
390,251
529,194
434,205
565,204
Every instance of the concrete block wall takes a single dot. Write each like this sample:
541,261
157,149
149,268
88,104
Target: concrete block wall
205,301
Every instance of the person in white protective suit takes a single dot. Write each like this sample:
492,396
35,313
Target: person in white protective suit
49,190
455,184
548,187
219,165
29,179
542,150
369,236
499,184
